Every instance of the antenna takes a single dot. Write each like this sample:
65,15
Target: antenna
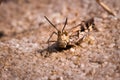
65,24
51,23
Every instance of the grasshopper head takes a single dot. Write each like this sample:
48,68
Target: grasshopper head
63,39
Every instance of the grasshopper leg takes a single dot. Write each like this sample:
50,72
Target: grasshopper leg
50,41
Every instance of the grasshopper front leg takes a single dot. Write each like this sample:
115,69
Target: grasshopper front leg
50,41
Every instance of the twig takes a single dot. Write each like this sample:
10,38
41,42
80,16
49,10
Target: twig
105,7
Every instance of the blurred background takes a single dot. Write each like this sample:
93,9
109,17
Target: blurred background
24,30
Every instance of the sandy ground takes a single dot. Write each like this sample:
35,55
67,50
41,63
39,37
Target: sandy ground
24,33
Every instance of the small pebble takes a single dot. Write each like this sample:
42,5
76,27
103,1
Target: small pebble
72,50
112,45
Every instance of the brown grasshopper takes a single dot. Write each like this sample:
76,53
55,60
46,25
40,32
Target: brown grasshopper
62,36
71,37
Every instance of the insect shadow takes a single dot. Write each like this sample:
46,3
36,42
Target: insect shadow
54,48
